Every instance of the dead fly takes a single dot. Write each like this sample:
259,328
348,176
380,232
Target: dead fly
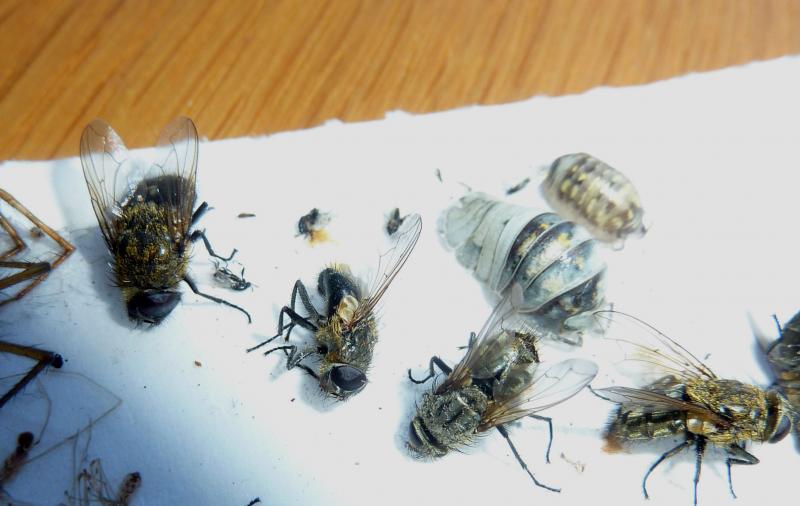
346,332
498,381
145,215
43,359
229,279
595,195
784,358
394,221
17,459
686,399
311,226
519,186
35,271
557,264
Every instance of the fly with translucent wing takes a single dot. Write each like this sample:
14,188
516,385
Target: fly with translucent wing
145,215
682,397
345,333
498,381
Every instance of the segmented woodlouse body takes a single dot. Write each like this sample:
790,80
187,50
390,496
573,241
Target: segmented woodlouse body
556,262
595,195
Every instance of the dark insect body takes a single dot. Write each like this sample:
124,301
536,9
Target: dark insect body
394,222
556,263
229,279
784,357
688,400
594,195
35,271
518,187
311,226
498,381
345,333
145,216
44,359
17,459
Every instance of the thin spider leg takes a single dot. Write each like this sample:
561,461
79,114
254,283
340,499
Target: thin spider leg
550,428
19,244
43,360
522,463
191,284
52,234
662,458
431,372
29,270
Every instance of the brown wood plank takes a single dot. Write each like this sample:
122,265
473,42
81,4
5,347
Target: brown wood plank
246,68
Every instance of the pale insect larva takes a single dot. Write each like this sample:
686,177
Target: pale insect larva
595,195
557,263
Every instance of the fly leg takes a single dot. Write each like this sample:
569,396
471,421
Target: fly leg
522,463
550,427
193,286
434,360
671,453
201,234
43,358
700,448
472,338
738,455
295,318
294,357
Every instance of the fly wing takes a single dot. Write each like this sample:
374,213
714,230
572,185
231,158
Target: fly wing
647,353
110,176
547,387
391,263
177,149
649,401
482,348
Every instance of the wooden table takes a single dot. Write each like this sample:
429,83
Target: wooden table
246,68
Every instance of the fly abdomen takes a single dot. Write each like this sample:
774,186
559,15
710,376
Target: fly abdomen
161,190
447,421
628,425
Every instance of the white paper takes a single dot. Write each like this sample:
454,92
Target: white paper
713,156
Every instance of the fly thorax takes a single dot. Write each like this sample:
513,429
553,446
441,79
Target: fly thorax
452,418
743,408
145,254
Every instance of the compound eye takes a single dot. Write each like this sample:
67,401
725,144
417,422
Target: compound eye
347,378
152,306
784,427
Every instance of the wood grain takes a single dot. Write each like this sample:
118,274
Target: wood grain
244,68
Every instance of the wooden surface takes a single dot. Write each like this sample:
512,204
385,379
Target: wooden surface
243,68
